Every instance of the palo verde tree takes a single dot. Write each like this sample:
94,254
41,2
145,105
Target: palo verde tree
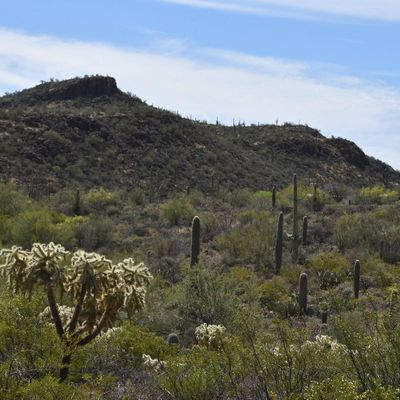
94,290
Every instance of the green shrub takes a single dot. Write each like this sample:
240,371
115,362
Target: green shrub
48,388
32,226
251,242
122,348
137,197
332,269
352,230
262,200
240,197
95,232
178,210
378,195
205,297
12,201
98,200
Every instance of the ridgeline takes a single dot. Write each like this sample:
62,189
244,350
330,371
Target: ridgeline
86,132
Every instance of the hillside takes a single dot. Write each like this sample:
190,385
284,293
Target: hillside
86,132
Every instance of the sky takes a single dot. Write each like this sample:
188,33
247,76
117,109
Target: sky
332,64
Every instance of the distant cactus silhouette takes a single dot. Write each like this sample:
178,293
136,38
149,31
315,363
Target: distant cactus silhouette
279,244
303,293
77,205
274,197
295,236
195,241
356,279
324,317
315,202
305,228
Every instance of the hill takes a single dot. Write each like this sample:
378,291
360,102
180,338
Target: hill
86,132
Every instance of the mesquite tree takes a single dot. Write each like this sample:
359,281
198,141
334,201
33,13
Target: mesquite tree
95,289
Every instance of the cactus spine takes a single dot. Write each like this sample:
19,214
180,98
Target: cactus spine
356,279
305,228
195,241
295,221
279,244
274,196
303,293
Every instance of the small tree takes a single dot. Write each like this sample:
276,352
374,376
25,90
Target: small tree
96,290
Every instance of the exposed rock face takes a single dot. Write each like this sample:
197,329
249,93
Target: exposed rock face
350,152
86,87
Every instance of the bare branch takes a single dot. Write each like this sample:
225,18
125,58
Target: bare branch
103,320
78,308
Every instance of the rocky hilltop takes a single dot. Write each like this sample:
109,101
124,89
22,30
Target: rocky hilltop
86,132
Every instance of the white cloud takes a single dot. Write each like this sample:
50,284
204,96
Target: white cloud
218,83
370,9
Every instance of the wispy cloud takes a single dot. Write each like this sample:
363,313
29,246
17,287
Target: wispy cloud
211,83
369,9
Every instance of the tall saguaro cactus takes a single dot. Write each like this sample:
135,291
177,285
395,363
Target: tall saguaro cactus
303,293
77,205
279,244
195,241
295,221
274,197
305,229
315,205
356,279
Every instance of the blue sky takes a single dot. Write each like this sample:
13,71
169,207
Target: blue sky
331,64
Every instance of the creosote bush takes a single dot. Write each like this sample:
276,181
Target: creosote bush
177,210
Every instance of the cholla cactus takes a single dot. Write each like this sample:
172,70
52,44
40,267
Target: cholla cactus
209,335
153,364
96,287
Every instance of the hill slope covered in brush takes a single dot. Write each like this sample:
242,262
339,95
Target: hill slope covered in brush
86,132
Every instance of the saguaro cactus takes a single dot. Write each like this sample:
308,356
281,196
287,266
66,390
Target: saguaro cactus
356,279
195,241
305,228
315,205
295,221
303,293
274,196
324,317
279,244
77,205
